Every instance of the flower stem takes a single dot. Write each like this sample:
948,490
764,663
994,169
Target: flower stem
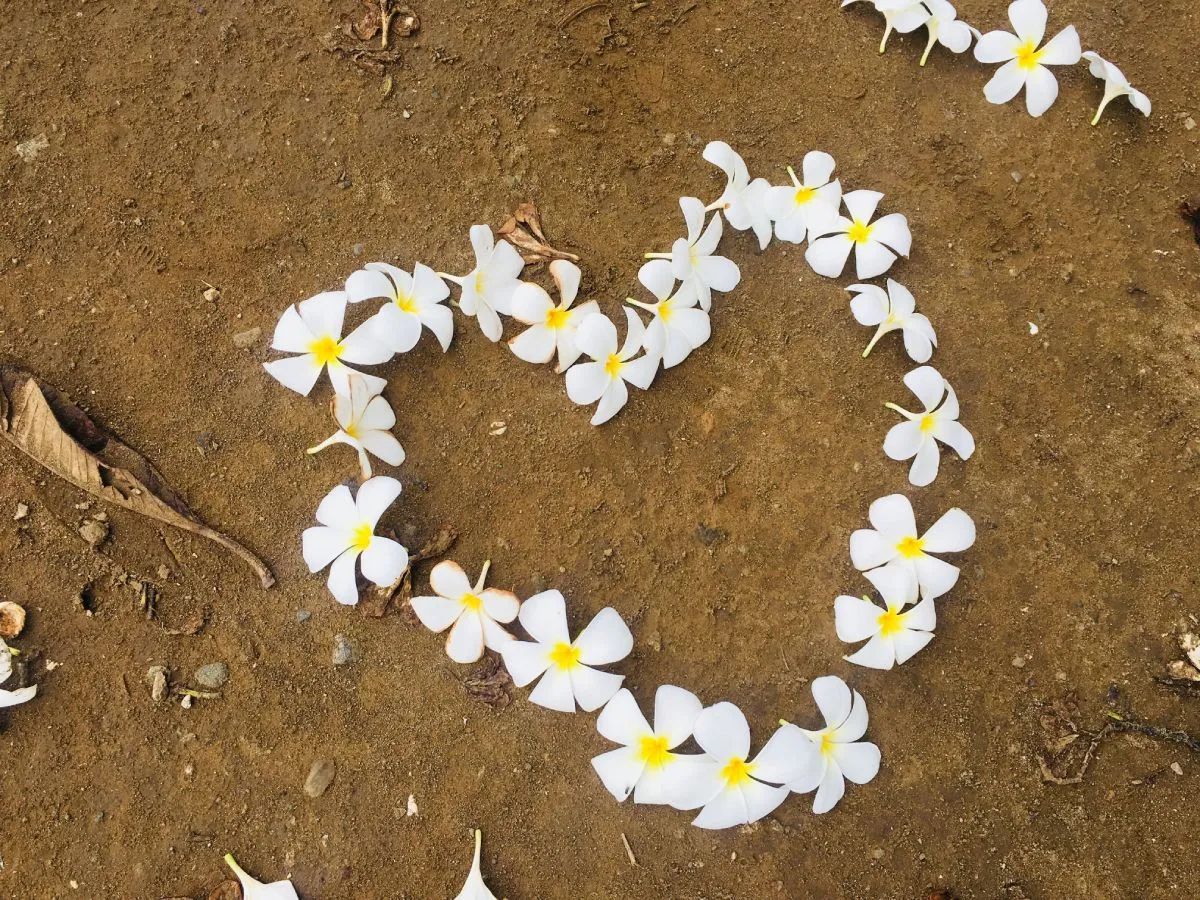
904,412
929,46
656,255
232,863
874,340
887,32
795,180
716,204
784,722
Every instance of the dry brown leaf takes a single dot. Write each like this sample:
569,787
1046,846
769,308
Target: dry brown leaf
12,619
488,682
227,890
379,600
523,229
60,436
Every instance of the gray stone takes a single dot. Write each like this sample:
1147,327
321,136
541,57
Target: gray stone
212,676
320,776
343,650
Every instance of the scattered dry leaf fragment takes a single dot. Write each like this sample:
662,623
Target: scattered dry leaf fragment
523,229
22,512
226,890
380,599
94,531
320,777
12,619
488,682
59,435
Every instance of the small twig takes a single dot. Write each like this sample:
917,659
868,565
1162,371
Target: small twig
387,12
1077,778
1183,686
687,9
572,16
629,851
1175,736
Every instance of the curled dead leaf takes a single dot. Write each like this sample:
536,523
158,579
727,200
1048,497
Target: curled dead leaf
227,890
56,433
523,229
380,599
12,619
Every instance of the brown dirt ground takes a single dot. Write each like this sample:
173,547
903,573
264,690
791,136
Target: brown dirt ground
221,144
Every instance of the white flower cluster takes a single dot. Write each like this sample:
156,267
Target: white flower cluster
1023,56
722,779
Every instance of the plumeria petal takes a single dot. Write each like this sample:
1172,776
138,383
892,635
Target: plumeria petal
606,639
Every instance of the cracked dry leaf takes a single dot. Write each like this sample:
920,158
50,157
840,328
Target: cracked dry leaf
56,433
523,229
380,599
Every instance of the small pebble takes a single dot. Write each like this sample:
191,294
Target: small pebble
1018,662
1189,123
186,702
157,676
303,615
22,512
245,339
412,805
212,676
320,776
343,650
94,531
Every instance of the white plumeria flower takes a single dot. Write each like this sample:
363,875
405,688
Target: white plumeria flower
20,695
347,533
313,329
732,789
1024,59
1115,85
917,439
474,888
840,754
801,209
691,259
743,202
893,542
478,615
639,765
893,310
875,244
604,378
903,16
488,288
893,636
364,422
946,28
565,666
551,327
413,301
253,889
678,327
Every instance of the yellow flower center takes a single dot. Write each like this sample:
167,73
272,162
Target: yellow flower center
479,282
859,231
564,656
652,750
406,303
736,772
471,602
803,195
325,349
890,623
351,431
665,311
362,537
1028,55
827,743
927,423
556,318
612,365
910,547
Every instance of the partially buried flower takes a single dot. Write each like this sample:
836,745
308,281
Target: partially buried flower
893,310
893,635
840,756
253,889
800,210
475,889
743,202
566,666
917,438
875,244
488,288
1024,59
691,259
946,28
732,788
413,301
476,614
14,697
893,542
678,327
1115,85
639,765
605,376
347,534
313,329
364,422
551,327
898,15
